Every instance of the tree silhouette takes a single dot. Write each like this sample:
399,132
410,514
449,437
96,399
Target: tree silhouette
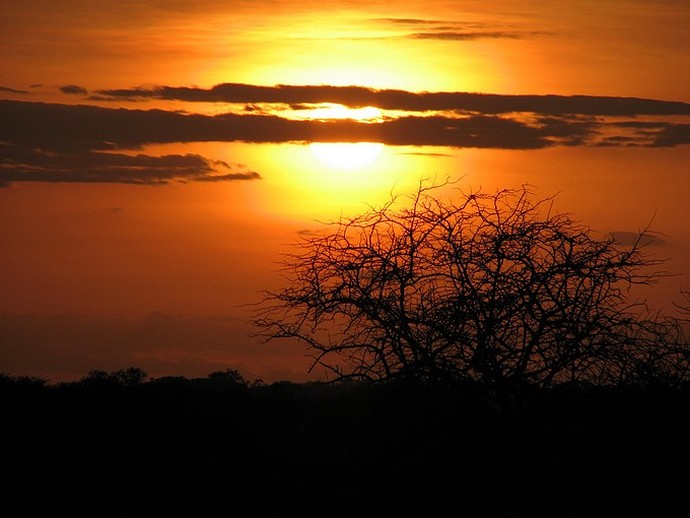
231,378
497,288
129,376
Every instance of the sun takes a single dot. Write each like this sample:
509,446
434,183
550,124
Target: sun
346,156
333,111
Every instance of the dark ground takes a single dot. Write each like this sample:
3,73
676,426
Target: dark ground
194,448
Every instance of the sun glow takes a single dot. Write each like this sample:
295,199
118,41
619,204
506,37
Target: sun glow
340,112
346,155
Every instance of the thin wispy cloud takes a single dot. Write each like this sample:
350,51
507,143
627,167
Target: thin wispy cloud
432,29
74,90
12,90
627,238
463,35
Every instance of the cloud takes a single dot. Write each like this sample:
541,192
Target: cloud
387,99
251,175
673,135
74,90
70,129
625,238
422,153
463,36
19,164
86,143
433,29
408,21
12,90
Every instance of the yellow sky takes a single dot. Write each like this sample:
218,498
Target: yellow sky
622,47
111,250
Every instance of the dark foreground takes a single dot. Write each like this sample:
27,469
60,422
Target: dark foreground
184,448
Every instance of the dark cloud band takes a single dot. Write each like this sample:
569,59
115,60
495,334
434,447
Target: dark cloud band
29,165
85,143
356,96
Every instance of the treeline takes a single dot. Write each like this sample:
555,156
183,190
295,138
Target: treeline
506,398
131,376
122,443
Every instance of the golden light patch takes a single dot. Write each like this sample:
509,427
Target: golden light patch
346,155
339,112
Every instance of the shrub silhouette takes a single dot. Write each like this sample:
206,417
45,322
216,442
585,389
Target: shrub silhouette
496,288
124,377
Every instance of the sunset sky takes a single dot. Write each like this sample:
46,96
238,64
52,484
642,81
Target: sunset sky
158,156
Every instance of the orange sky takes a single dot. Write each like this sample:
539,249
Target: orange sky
142,204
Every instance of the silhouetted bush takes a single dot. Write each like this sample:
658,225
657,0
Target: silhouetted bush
7,380
126,377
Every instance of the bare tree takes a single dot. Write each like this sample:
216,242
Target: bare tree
495,288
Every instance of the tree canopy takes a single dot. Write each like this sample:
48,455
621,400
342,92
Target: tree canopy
490,287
